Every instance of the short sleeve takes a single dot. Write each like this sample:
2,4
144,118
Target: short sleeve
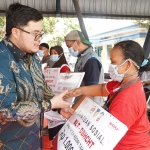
110,86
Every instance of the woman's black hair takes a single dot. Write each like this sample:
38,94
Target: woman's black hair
135,52
62,59
19,15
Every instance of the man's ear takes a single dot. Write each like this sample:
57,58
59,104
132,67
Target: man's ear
78,42
15,33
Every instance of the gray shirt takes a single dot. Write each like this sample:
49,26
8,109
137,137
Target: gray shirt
48,61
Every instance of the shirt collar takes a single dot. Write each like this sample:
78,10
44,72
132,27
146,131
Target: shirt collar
17,53
84,52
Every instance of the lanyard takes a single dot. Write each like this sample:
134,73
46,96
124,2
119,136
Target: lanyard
107,103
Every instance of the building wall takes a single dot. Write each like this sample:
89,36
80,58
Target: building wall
103,46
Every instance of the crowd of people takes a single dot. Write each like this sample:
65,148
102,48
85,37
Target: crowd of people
25,96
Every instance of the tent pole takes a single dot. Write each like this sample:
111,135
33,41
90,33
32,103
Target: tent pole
80,18
146,45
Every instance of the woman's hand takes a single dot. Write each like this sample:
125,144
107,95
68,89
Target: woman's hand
58,101
73,93
145,83
46,67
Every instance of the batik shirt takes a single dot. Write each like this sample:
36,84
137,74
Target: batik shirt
24,95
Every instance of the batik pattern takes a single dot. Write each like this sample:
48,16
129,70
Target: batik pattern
22,93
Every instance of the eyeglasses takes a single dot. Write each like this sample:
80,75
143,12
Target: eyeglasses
37,36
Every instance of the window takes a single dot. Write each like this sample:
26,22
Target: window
109,47
98,50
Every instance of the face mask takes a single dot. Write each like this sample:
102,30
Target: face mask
54,57
113,72
72,52
41,53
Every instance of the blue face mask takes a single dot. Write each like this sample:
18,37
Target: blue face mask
54,58
41,53
72,52
113,71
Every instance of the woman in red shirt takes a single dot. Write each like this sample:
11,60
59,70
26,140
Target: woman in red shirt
126,100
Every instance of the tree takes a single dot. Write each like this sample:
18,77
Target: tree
142,23
49,24
55,28
2,26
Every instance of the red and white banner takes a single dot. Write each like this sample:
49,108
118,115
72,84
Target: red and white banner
51,76
90,128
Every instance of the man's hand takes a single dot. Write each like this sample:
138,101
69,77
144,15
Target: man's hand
58,101
67,112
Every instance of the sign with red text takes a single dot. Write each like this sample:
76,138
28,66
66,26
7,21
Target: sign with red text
65,81
51,76
90,128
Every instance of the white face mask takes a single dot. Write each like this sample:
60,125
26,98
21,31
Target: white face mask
72,52
113,72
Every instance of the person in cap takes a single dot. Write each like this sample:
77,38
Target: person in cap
24,94
87,60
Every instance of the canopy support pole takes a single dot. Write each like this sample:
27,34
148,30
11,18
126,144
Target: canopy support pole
80,18
146,45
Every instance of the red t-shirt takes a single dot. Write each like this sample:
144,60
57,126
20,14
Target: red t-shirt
129,106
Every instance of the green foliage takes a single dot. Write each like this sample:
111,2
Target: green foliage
70,24
55,41
142,23
57,28
2,26
49,24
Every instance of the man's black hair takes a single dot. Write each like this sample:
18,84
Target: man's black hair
19,15
45,45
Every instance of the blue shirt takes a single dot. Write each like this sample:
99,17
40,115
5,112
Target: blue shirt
92,70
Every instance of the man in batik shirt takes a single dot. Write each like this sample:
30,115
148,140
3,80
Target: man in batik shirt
24,95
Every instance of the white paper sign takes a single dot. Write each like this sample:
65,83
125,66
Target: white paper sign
90,128
51,76
68,81
54,118
60,82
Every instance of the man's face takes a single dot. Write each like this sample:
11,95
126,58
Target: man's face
29,42
69,43
44,49
72,44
